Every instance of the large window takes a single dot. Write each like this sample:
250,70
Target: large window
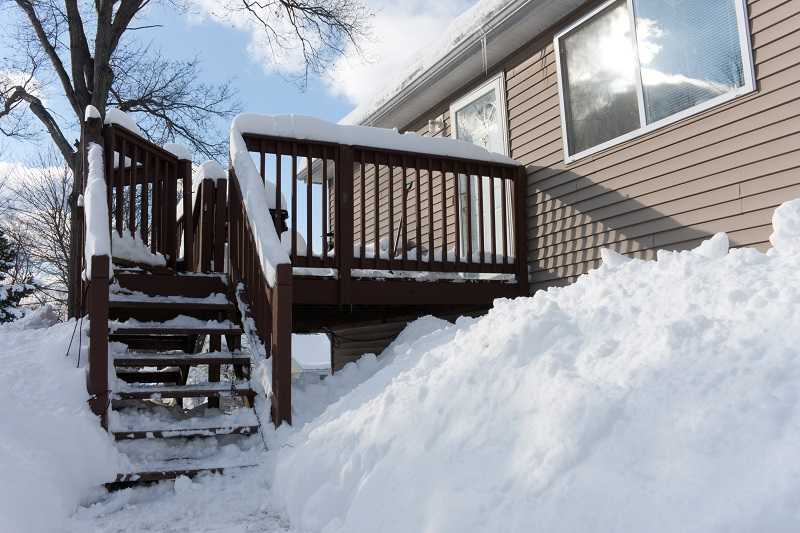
635,65
480,118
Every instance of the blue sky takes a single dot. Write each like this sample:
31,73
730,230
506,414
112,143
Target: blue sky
229,50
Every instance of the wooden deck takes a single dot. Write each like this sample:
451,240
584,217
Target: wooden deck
357,259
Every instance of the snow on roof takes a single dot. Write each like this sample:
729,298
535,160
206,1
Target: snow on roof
302,127
471,47
469,23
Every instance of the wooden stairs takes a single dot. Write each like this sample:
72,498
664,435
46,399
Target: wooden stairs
182,402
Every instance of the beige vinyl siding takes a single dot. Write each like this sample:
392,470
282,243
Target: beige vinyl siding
383,202
723,170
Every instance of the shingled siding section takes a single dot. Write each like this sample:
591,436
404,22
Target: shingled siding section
723,170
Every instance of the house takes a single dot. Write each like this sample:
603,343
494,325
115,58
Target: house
540,132
642,124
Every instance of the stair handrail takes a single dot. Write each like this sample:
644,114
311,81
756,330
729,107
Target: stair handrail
258,261
97,260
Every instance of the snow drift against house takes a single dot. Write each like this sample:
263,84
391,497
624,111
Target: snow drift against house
655,396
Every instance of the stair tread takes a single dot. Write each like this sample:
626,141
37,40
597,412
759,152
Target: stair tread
143,390
174,469
170,375
163,304
176,326
172,423
179,358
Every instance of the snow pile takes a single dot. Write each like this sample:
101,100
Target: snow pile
786,228
311,353
95,203
133,249
648,396
53,451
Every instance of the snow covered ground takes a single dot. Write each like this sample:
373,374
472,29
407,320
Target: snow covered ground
654,396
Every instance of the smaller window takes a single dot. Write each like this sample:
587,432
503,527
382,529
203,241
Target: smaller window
635,65
480,118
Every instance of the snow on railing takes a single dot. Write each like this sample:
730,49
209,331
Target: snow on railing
314,129
95,203
257,197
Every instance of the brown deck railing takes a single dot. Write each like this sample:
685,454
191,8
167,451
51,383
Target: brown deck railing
210,227
270,306
142,183
396,211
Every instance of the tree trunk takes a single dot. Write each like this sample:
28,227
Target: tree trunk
74,300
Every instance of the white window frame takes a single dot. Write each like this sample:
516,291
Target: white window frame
746,50
498,84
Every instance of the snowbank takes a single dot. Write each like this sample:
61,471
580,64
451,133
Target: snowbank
655,396
53,451
786,228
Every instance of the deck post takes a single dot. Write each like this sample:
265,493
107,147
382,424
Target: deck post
344,219
520,230
98,338
185,175
281,349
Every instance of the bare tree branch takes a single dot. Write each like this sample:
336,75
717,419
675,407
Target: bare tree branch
41,224
69,92
321,28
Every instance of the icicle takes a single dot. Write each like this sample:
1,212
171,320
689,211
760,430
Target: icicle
485,54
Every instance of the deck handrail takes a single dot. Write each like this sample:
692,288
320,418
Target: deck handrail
96,266
269,300
142,182
416,222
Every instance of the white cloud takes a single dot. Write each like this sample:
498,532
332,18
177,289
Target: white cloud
399,30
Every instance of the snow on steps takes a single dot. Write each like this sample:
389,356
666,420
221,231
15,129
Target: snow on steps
164,422
181,325
135,359
139,391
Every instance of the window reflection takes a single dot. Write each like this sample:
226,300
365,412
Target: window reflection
682,54
479,123
600,79
689,53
